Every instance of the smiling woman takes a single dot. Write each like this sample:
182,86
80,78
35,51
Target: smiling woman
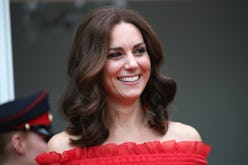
127,68
116,99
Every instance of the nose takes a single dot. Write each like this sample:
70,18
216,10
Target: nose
131,61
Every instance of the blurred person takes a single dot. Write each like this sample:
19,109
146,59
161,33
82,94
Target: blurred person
24,128
116,100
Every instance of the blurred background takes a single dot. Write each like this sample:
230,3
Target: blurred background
205,44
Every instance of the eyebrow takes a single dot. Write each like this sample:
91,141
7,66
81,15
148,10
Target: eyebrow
135,46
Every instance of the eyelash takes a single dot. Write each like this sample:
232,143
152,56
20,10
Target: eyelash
114,55
140,51
117,54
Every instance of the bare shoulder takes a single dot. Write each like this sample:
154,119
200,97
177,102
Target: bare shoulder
59,142
181,132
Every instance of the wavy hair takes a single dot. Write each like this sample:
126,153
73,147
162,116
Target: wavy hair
83,103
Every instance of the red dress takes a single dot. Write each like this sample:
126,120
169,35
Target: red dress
150,153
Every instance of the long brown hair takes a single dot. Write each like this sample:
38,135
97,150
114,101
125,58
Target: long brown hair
83,103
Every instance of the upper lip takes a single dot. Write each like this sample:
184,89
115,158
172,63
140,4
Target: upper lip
129,76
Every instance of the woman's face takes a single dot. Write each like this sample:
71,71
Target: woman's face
127,68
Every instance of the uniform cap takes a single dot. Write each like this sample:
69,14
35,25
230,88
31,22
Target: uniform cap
27,113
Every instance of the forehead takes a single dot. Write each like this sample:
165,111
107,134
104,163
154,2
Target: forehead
124,33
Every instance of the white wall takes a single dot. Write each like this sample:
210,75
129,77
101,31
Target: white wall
6,64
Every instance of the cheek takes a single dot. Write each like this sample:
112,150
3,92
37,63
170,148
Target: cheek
37,144
110,72
145,64
111,69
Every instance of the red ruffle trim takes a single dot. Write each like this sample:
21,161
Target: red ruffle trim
170,150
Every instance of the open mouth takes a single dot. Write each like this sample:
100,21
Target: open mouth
129,78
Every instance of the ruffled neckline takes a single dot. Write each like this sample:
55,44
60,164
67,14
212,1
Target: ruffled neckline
127,148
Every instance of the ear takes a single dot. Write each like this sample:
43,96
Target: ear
18,143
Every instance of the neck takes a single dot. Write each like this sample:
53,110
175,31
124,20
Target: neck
125,116
11,162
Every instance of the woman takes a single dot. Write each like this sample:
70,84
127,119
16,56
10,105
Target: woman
116,99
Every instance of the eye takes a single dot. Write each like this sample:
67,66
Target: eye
114,55
140,51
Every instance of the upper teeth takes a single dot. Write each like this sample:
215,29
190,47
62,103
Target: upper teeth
127,79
